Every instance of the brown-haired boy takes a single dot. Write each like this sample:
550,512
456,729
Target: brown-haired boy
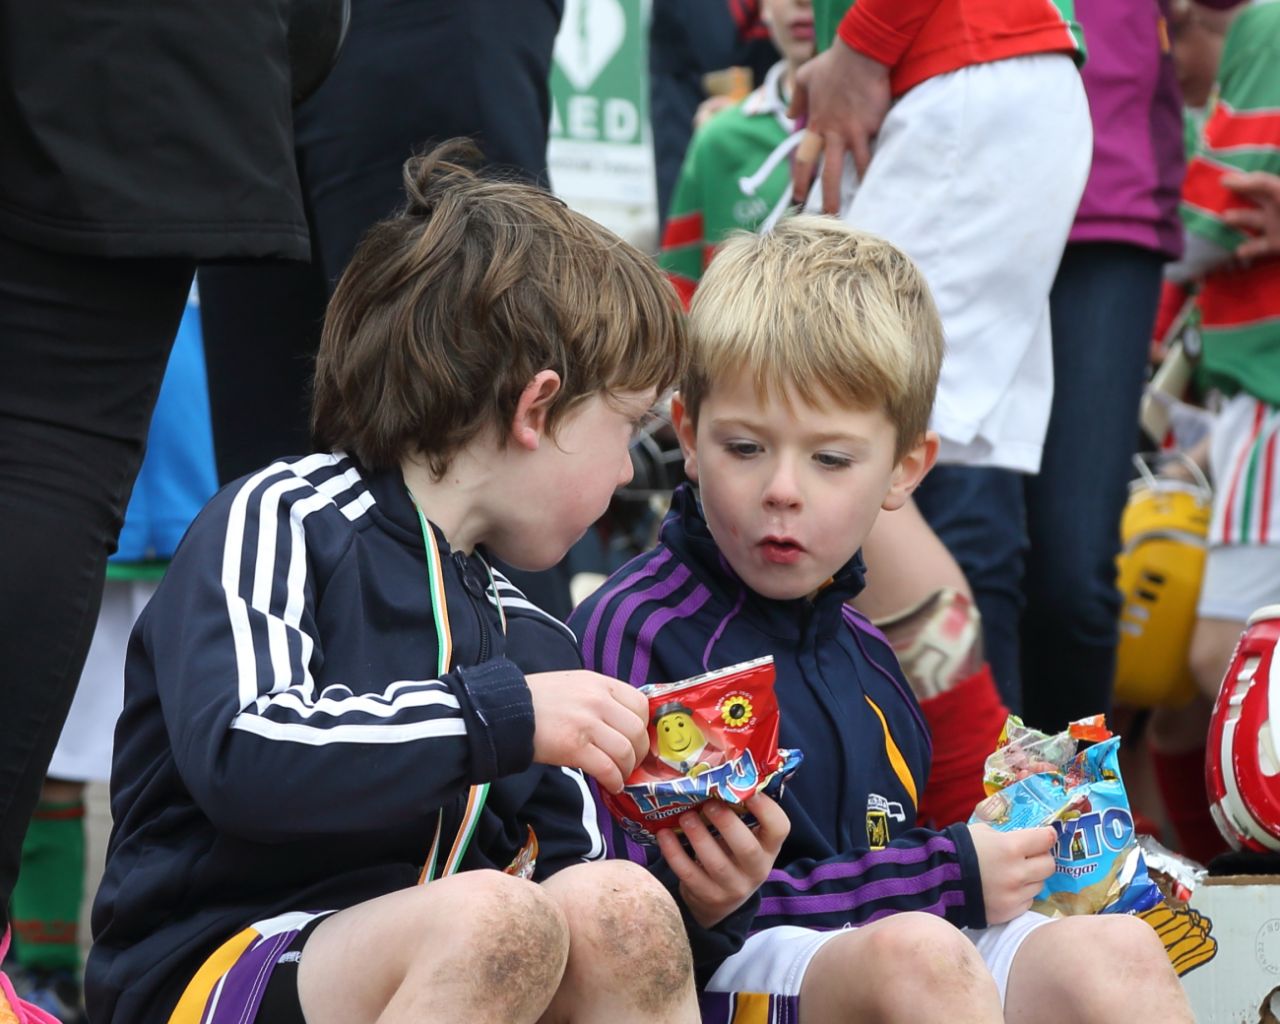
330,676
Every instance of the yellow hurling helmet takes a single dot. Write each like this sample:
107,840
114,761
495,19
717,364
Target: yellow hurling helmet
1161,563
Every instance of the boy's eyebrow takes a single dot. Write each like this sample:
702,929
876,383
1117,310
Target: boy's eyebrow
827,437
854,440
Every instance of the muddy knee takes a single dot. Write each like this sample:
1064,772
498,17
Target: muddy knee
628,925
512,937
944,963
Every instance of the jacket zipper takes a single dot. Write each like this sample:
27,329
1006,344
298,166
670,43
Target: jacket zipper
470,584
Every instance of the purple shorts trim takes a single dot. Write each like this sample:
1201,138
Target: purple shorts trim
748,1008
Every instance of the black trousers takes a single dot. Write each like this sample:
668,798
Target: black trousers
83,346
412,73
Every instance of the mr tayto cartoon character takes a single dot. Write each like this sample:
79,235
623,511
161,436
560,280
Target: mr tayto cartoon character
680,743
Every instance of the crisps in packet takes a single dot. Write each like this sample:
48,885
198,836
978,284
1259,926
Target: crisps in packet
710,736
1035,779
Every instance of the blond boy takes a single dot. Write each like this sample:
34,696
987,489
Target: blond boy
803,416
331,689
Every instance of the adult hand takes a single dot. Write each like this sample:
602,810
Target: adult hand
589,721
1014,866
1262,219
843,96
724,871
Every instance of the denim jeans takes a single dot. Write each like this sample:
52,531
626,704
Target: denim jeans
1103,308
978,512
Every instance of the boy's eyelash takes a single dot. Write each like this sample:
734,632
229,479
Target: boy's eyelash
741,448
828,460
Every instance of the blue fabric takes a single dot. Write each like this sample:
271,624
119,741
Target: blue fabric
1103,307
177,475
980,515
1039,551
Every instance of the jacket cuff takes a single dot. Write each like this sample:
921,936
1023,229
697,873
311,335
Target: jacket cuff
710,946
499,711
861,30
973,912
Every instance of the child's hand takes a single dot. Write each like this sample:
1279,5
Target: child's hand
1014,866
724,871
589,721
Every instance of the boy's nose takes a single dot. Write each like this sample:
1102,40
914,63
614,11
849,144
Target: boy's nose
782,490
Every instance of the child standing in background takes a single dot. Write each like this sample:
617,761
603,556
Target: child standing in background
735,171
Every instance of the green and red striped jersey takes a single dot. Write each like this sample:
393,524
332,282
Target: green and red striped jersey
721,187
1239,305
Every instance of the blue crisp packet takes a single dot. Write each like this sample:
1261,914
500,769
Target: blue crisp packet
1101,869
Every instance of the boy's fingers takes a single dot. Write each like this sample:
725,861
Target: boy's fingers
631,699
629,723
1040,868
596,763
1036,840
774,826
677,858
617,747
740,842
712,856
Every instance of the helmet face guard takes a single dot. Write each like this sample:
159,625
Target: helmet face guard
1242,770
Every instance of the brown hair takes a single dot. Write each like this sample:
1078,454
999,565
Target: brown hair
837,314
449,308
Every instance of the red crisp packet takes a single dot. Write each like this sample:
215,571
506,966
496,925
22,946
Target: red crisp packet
711,736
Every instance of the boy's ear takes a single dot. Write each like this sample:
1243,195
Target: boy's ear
686,434
910,470
529,423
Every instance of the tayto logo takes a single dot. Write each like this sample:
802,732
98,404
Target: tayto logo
1090,834
731,782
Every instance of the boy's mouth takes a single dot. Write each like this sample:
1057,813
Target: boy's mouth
780,550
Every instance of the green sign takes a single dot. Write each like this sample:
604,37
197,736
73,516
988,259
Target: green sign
599,81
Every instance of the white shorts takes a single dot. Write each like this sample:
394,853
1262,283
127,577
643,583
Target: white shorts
1243,451
976,175
84,749
1238,580
760,984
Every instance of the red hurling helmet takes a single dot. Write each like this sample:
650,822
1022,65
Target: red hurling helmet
1242,769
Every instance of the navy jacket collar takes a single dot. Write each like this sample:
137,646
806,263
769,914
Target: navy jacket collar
685,532
398,516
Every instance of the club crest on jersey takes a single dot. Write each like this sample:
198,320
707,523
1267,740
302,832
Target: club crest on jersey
879,813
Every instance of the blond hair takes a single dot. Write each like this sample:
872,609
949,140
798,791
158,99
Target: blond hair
448,310
837,314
